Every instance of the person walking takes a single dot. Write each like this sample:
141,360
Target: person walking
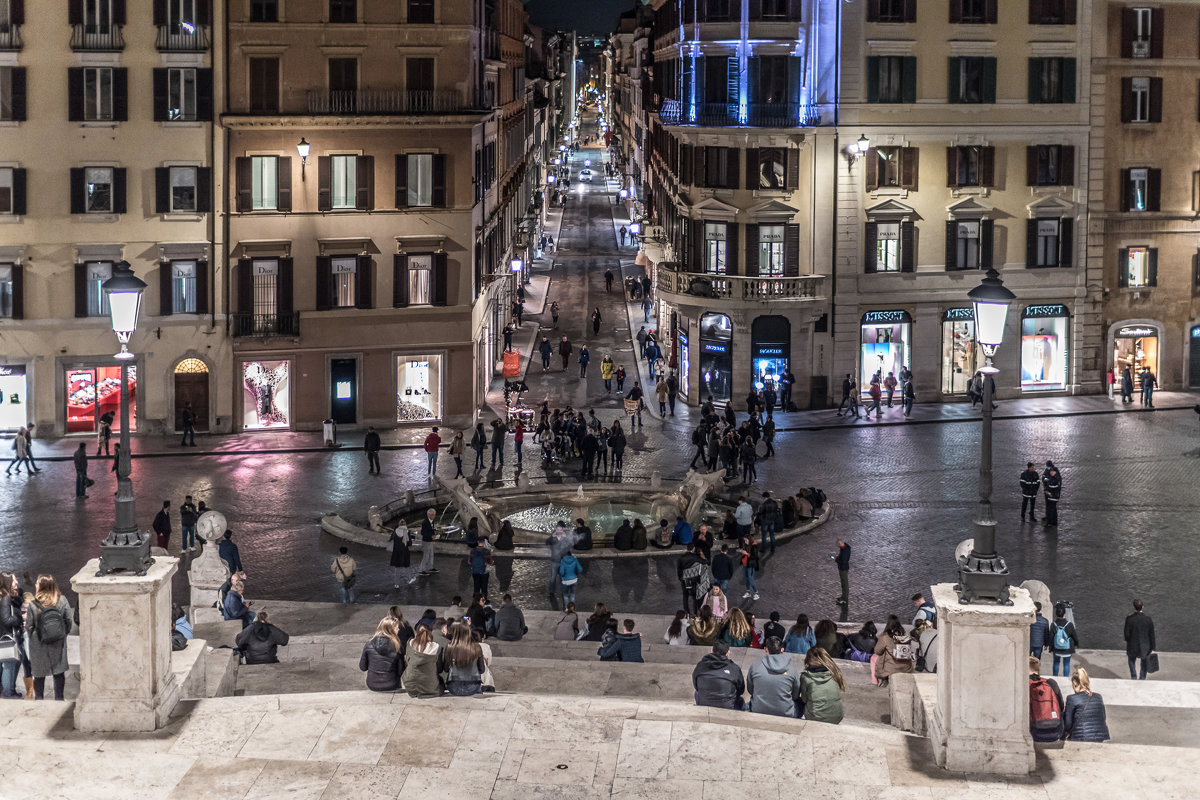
499,430
1039,632
1139,640
634,405
641,340
104,433
508,334
909,396
432,443
343,568
1126,386
371,446
585,356
554,313
1148,383
457,446
691,572
478,444
624,234
596,320
545,349
189,425
620,376
768,433
1052,488
847,388
564,352
518,441
608,280
889,384
1063,640
607,369
48,621
750,565
1029,489
660,391
162,525
876,396
428,531
769,518
20,447
672,391
617,443
33,467
842,558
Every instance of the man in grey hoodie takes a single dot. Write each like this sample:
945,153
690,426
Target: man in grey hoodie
773,685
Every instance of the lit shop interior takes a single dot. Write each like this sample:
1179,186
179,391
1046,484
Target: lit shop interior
94,392
1045,348
418,388
14,410
265,395
959,350
886,345
1135,347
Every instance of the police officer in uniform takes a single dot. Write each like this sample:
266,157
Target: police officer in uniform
1029,489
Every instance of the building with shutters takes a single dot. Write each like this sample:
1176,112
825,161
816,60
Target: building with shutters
374,182
107,147
739,154
1146,190
977,120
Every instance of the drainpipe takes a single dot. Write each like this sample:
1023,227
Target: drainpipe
837,119
225,182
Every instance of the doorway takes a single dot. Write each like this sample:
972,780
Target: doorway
191,386
343,388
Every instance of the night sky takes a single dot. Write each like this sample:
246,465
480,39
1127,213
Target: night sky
584,16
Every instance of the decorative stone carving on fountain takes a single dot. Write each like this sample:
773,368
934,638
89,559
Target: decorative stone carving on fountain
462,498
688,497
209,571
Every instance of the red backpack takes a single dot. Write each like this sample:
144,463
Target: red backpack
1044,711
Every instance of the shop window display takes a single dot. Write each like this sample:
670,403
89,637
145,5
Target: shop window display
14,411
265,395
418,388
94,392
886,338
1135,347
1044,349
716,356
959,350
685,366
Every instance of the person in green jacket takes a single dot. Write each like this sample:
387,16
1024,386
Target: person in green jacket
821,687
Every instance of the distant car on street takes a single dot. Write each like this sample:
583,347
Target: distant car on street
585,175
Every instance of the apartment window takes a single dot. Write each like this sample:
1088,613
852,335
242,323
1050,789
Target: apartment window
973,80
98,16
97,93
183,189
420,270
12,93
772,79
95,274
892,10
1141,99
344,270
98,186
771,168
265,286
183,287
7,288
420,12
891,167
420,180
889,246
770,250
264,183
182,16
418,74
264,85
1142,33
891,79
1052,12
1139,267
1046,242
716,10
715,248
343,10
264,10
181,94
970,165
1141,189
775,9
969,244
720,167
12,191
1052,80
343,187
1050,165
973,12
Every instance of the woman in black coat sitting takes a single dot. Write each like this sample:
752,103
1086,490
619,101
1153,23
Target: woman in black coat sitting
260,642
383,658
1084,719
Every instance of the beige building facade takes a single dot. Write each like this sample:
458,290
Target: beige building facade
107,153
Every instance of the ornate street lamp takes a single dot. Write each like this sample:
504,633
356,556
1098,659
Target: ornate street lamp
125,548
302,149
982,574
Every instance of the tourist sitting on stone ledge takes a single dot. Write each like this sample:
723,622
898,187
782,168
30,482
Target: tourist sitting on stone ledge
1045,705
404,631
583,535
718,680
800,638
623,646
663,538
441,630
504,539
676,634
455,610
705,628
510,622
896,650
623,538
736,630
383,658
596,624
181,621
827,638
567,627
233,606
821,688
773,685
864,641
481,616
463,663
259,643
422,665
1083,713
427,619
640,537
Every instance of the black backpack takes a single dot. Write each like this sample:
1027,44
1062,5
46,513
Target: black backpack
52,626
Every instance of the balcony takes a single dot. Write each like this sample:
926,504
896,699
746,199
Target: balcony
88,37
179,39
738,287
385,101
725,115
10,37
264,326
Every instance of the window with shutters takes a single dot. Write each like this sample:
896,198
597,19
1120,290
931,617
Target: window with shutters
771,168
183,287
775,9
1139,100
1051,165
95,274
887,247
264,183
264,287
892,11
264,85
1048,233
968,244
420,270
1135,268
714,248
97,16
420,179
890,70
343,10
342,287
1137,189
264,10
770,250
772,79
181,95
973,12
1142,31
98,94
7,191
716,166
343,188
183,189
1051,12
888,165
971,165
420,12
182,16
1048,80
98,190
12,93
972,79
6,291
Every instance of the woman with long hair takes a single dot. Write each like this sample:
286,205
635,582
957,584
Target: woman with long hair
1084,719
737,631
422,663
383,657
567,627
596,623
463,662
487,680
800,637
716,600
821,687
705,628
677,632
404,631
896,650
11,625
48,621
826,635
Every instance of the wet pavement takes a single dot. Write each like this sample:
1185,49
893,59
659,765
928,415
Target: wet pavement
903,495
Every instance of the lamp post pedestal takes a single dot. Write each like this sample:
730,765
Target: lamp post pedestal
981,720
125,549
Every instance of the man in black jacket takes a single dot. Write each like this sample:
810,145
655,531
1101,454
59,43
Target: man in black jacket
1029,490
1052,489
722,569
162,524
718,680
843,564
187,523
1139,640
372,445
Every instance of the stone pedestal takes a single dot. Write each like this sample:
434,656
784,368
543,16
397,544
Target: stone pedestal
208,570
981,723
125,677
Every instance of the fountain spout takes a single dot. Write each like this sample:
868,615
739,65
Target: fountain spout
461,498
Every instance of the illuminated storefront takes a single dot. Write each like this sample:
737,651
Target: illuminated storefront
93,392
14,409
1045,348
685,366
1194,357
716,355
771,346
418,388
1135,346
266,395
959,351
886,344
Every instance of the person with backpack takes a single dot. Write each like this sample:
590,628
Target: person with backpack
1039,632
896,650
343,569
926,635
47,623
1063,640
1045,706
926,610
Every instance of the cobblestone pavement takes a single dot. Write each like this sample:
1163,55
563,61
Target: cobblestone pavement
904,496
